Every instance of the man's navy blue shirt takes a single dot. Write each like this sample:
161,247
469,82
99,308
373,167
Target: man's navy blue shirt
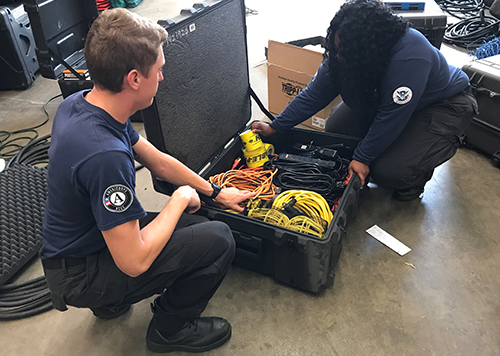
91,179
417,75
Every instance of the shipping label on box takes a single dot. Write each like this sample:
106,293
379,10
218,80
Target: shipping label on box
290,69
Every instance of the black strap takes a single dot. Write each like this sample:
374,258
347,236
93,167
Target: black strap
208,201
64,63
259,103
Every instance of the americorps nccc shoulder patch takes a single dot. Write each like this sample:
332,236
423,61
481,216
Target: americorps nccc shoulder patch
402,95
117,198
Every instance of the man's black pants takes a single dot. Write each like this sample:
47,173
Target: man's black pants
186,273
430,138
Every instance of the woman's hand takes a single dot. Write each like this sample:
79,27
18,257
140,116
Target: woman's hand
361,169
262,128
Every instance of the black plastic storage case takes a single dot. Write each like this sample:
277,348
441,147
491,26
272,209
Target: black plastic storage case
60,28
431,21
18,61
200,108
484,130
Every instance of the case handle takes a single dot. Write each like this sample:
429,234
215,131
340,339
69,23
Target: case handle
248,245
491,93
477,89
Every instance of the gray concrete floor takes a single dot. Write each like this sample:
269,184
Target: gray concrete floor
447,304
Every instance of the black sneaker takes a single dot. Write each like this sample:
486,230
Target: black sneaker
108,314
408,194
198,335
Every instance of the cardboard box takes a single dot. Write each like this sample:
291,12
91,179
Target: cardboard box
289,70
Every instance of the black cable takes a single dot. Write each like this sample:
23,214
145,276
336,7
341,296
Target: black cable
27,284
472,32
28,310
461,9
25,299
319,183
32,297
8,141
310,176
35,152
12,296
249,11
291,176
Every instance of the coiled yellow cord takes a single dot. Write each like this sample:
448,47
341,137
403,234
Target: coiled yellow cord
307,225
312,204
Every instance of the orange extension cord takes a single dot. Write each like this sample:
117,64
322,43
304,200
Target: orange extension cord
251,179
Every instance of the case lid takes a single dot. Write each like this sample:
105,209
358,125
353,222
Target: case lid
204,99
60,28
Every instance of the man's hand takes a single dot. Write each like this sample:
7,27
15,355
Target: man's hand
232,197
361,169
262,128
191,195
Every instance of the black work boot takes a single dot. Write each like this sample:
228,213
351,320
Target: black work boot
110,313
167,332
408,194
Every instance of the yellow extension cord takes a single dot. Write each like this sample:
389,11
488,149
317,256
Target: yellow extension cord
310,203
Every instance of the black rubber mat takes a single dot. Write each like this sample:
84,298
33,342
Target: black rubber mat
23,190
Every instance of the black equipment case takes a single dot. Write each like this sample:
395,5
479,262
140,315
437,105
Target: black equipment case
60,28
18,61
200,108
484,131
431,21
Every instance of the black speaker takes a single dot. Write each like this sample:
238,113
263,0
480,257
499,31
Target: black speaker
18,61
60,28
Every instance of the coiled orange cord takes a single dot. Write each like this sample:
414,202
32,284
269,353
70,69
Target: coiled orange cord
251,179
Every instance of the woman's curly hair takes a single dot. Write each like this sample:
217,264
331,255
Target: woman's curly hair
367,29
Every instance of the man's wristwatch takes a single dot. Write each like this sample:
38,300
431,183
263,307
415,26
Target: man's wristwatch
216,191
